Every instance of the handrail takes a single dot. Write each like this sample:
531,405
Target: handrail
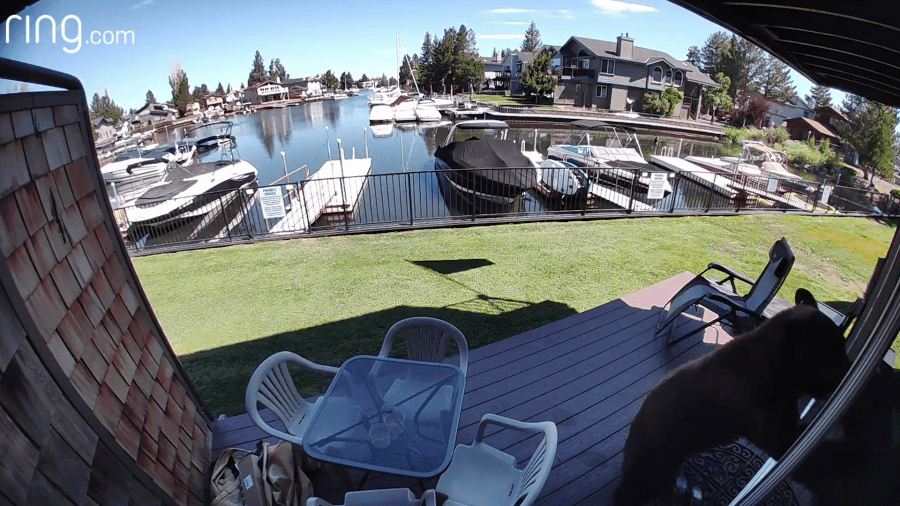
26,72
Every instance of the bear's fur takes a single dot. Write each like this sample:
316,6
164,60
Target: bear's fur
748,387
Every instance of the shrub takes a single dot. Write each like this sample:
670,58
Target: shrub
755,134
755,110
776,135
895,193
824,146
672,98
653,104
812,142
800,153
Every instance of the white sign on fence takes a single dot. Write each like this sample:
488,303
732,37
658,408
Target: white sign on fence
657,183
826,194
772,187
272,202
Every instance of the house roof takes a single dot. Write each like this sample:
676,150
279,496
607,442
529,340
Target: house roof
831,111
852,46
98,121
813,125
639,54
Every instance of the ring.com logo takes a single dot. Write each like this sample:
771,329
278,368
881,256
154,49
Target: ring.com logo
70,30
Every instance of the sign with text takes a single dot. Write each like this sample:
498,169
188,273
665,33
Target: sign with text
272,202
826,194
657,185
772,187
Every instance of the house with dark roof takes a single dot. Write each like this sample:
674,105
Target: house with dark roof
783,110
153,113
514,66
493,71
830,117
615,75
802,128
104,128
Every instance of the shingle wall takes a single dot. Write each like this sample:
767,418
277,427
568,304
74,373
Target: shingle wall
94,407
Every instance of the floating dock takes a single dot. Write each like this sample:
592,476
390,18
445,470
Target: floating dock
334,189
619,199
698,174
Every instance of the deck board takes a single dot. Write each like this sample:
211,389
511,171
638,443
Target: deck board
588,373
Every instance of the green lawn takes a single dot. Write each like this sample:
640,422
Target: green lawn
226,309
504,100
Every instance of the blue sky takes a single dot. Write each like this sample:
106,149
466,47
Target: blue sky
215,41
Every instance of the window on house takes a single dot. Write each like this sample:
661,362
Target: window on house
668,76
568,62
554,62
584,64
607,66
601,91
656,76
679,78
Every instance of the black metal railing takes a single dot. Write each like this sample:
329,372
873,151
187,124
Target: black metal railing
437,198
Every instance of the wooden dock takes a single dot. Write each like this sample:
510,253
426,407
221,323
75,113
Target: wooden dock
588,373
696,173
617,198
334,189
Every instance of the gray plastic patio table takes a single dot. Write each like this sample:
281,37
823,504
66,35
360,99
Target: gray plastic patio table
397,416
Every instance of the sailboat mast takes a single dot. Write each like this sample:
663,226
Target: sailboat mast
409,63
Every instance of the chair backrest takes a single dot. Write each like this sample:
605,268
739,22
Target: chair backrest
271,385
781,260
538,469
426,339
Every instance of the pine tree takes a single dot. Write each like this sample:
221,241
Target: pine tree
870,133
220,90
743,63
713,52
775,79
537,79
693,56
150,98
276,70
178,82
258,73
532,42
819,96
229,90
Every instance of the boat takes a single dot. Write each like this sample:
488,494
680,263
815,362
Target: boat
438,103
616,162
210,142
185,191
384,97
488,169
381,113
556,179
725,165
427,113
405,108
133,171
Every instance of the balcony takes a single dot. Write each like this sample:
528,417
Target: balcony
567,73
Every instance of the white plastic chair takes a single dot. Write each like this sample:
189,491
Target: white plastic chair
481,475
272,386
388,497
426,339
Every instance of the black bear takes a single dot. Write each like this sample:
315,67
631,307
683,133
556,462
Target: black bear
748,387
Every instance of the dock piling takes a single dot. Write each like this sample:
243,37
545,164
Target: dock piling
366,141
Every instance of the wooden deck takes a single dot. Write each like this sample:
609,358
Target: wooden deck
588,373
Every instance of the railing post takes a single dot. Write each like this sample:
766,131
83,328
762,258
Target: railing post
634,180
410,196
225,214
709,196
305,210
675,190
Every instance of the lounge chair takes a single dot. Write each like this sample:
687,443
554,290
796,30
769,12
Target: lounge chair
742,312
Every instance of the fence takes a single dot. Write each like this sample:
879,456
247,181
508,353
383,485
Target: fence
460,197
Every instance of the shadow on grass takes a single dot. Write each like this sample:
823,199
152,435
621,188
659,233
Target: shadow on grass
221,374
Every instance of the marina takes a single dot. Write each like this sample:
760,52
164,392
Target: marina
330,171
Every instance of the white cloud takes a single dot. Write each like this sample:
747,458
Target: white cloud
509,22
510,10
502,36
618,7
144,3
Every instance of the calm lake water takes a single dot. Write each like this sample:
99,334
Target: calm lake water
305,132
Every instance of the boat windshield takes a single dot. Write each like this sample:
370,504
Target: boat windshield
480,129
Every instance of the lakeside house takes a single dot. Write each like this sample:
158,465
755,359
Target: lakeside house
211,100
513,67
615,76
783,110
304,87
266,91
493,71
153,113
104,128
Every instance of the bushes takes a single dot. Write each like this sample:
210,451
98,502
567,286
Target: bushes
776,135
664,103
800,153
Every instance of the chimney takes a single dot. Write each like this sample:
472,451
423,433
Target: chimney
624,46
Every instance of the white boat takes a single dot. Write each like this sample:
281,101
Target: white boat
185,191
381,113
405,108
438,103
427,113
617,160
385,97
132,172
